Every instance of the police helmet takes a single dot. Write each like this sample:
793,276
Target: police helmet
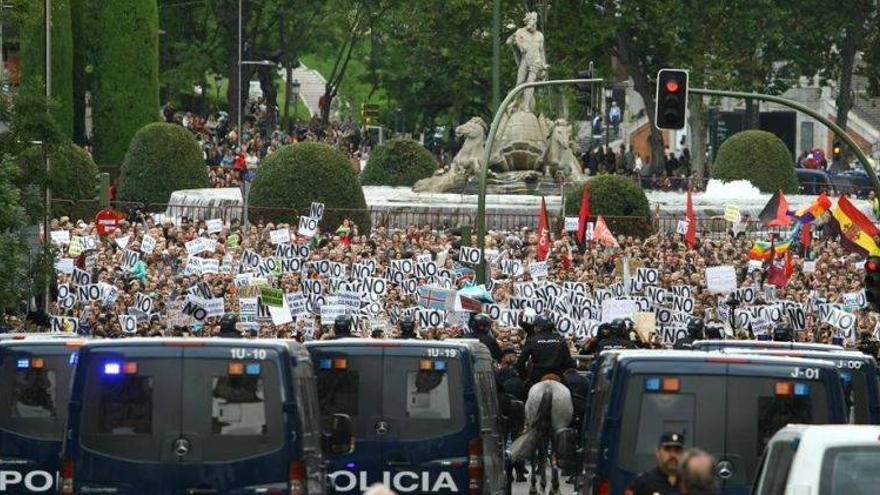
783,333
696,329
342,325
604,330
713,332
480,322
527,320
228,322
542,323
618,327
407,326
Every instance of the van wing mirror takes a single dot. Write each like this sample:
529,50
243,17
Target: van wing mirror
338,435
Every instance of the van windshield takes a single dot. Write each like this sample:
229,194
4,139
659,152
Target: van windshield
37,391
855,387
850,471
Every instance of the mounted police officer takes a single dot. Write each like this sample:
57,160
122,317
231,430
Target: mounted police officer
696,329
407,328
227,326
548,353
342,327
481,326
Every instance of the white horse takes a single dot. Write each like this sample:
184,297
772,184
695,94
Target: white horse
548,410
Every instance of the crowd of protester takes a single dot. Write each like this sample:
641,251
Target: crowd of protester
164,275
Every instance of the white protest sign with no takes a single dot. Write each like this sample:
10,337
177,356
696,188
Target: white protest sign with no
308,227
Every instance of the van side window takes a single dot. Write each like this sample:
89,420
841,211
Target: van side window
776,467
237,406
126,406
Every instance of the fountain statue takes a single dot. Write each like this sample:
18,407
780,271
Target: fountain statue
530,154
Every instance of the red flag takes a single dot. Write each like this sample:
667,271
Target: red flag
585,213
543,233
806,237
691,235
780,271
775,213
602,234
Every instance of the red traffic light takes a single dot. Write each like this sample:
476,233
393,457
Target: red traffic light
672,86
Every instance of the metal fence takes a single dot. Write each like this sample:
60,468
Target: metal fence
401,218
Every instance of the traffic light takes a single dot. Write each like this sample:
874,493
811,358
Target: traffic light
671,99
836,150
102,190
585,90
872,282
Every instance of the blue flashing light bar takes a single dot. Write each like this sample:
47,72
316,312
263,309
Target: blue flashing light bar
801,389
112,368
652,384
326,364
440,365
252,369
23,364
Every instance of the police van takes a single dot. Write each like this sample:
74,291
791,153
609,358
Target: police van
858,374
728,405
201,416
425,414
35,373
714,345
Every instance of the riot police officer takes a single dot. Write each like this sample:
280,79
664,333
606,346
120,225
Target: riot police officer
868,345
696,329
783,333
227,326
662,480
548,352
407,328
618,338
481,326
342,327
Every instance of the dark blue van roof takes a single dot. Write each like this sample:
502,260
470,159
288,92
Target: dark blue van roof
625,357
711,345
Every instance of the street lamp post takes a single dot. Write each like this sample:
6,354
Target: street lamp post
294,92
246,184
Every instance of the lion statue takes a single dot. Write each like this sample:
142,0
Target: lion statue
466,163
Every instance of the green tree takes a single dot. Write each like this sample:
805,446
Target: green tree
759,157
615,196
31,17
162,158
296,175
126,85
398,162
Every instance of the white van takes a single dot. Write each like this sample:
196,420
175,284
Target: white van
826,460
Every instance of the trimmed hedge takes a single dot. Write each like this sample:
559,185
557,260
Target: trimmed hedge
298,174
162,158
33,56
614,196
398,162
758,157
126,77
73,177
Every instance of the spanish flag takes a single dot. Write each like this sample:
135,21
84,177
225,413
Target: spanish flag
856,231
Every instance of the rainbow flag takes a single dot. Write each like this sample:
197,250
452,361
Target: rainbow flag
761,249
809,213
855,229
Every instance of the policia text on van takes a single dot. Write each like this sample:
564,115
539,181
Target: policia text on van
153,416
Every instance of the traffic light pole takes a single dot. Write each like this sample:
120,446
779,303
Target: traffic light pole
838,131
487,152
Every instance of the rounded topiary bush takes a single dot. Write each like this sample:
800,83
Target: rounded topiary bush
758,157
398,162
298,174
161,159
73,178
614,196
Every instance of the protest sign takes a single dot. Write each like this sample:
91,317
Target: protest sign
63,324
469,255
732,214
426,269
669,335
282,315
809,266
60,237
128,323
143,302
645,324
721,279
538,269
682,227
316,210
512,268
617,308
130,259
843,321
647,276
81,277
272,297
89,243
329,313
64,265
75,248
308,227
854,301
214,306
571,224
430,318
148,244
195,246
755,265
247,309
280,236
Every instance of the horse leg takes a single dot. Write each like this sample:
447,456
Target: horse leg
543,467
533,475
554,471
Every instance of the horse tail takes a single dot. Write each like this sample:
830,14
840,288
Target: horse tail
526,443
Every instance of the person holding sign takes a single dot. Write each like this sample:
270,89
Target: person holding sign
696,329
